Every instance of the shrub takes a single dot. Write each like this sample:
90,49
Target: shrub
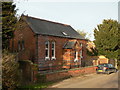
10,71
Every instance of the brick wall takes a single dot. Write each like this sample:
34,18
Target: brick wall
59,42
59,51
53,76
24,32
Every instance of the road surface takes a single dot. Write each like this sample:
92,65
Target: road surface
90,81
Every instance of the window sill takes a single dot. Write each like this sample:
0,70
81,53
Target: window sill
75,60
53,58
47,58
81,56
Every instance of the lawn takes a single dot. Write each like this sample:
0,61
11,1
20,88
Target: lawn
36,86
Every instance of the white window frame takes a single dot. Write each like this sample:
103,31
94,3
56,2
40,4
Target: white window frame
64,33
53,57
81,54
48,49
76,56
81,44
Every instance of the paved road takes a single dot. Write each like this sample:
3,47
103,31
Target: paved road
90,81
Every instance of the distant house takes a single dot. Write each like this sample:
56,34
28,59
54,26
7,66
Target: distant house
49,44
96,59
101,59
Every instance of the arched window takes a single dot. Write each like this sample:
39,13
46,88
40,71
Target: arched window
76,56
47,50
81,44
53,50
19,46
81,54
23,46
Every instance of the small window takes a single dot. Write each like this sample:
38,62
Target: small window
19,46
64,33
81,44
81,54
75,54
53,50
46,50
23,46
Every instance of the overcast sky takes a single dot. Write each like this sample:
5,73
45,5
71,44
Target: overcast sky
80,15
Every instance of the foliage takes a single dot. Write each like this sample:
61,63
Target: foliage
91,49
8,22
106,38
93,52
86,35
10,71
119,64
0,24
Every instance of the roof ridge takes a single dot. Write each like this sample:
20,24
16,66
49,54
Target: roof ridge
46,27
46,20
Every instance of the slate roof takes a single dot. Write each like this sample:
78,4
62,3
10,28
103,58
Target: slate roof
45,27
69,45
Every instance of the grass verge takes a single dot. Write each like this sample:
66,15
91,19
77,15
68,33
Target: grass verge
36,86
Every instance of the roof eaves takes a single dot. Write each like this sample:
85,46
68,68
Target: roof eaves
46,20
